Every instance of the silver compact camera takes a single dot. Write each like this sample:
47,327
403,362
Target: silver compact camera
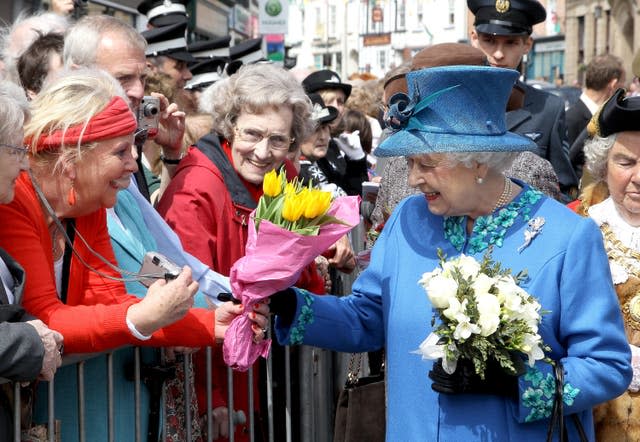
157,266
149,115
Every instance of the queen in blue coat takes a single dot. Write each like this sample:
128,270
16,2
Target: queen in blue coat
451,128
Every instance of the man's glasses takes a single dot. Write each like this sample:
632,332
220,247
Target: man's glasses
253,136
19,152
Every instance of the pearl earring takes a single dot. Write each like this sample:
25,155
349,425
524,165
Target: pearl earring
479,180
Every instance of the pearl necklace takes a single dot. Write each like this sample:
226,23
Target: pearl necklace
505,196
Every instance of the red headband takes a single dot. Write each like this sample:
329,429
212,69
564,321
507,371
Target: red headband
115,120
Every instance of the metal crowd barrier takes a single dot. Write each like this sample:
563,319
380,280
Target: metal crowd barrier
321,374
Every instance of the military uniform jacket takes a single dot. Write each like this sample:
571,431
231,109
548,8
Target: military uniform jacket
542,119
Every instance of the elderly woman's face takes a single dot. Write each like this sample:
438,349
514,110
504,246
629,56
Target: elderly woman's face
445,184
261,142
103,171
623,176
12,161
316,146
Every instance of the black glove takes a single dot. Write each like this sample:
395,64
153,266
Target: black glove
465,380
284,304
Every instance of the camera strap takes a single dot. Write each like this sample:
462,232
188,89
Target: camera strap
131,276
66,260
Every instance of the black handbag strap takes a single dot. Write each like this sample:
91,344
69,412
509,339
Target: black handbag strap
557,413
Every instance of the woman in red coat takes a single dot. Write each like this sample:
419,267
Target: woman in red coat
81,152
260,115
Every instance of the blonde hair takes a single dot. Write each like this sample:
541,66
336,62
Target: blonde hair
70,98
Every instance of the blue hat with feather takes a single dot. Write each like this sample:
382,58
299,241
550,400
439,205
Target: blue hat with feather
452,109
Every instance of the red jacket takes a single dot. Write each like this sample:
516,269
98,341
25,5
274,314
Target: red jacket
208,206
93,319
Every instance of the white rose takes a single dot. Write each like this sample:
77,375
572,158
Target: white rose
482,283
489,310
440,290
513,302
507,288
455,307
468,266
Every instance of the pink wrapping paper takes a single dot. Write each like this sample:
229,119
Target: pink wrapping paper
274,259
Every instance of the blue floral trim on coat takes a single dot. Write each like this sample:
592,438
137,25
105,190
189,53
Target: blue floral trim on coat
304,318
491,229
540,395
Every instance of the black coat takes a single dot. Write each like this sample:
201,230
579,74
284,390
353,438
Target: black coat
21,349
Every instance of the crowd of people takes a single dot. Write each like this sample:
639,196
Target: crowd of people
118,145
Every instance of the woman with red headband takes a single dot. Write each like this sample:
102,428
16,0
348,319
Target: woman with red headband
80,138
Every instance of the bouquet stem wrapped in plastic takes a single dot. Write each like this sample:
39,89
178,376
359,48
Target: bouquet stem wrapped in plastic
277,252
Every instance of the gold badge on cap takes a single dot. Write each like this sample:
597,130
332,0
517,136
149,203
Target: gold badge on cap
502,6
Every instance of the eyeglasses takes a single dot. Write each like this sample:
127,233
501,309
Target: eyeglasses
253,136
18,152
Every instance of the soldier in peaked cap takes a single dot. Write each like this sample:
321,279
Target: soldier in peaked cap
506,17
502,30
167,52
163,12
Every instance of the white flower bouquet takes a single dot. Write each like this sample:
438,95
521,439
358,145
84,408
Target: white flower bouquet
481,313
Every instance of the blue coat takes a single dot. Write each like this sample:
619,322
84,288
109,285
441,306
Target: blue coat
388,308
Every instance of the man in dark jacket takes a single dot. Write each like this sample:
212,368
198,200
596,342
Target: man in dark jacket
502,30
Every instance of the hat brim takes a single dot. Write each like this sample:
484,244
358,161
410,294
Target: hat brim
333,114
315,87
180,56
414,142
167,20
495,29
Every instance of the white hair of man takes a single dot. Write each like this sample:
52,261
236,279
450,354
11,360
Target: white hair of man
16,39
82,41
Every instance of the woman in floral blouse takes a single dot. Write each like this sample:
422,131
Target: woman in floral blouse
451,129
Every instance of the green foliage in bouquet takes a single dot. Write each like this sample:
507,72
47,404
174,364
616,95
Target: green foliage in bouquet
480,312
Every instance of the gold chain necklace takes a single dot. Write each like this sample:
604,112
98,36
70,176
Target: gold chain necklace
505,196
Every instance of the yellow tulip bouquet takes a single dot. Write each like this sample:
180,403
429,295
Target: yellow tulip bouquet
293,224
293,206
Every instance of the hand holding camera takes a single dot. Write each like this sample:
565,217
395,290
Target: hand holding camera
170,127
165,303
149,116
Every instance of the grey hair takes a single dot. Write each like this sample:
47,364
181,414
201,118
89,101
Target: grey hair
14,111
498,161
16,39
82,41
596,153
253,89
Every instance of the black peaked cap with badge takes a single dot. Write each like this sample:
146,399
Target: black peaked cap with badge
320,113
325,79
205,73
163,12
506,17
169,41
